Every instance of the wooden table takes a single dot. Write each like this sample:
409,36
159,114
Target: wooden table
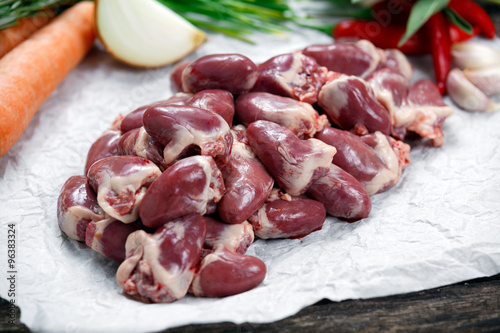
471,306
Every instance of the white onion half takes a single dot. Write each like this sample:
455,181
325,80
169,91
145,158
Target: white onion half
145,33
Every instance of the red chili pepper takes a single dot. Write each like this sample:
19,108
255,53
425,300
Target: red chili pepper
439,39
458,35
475,15
383,36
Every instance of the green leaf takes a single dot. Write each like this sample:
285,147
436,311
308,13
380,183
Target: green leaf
458,20
420,13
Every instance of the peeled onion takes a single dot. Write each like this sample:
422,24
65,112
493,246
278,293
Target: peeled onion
145,33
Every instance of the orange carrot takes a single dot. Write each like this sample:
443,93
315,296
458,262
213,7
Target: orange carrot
32,70
13,36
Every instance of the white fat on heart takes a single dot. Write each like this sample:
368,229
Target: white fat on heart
186,136
376,55
73,217
233,234
144,247
333,95
176,279
384,95
292,115
209,193
391,172
134,248
277,193
179,230
133,183
99,230
403,116
238,128
241,150
290,76
404,66
426,118
296,176
420,118
266,229
142,143
183,138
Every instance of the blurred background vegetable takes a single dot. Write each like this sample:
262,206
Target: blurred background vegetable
234,18
144,33
413,26
32,70
12,36
474,84
239,18
420,27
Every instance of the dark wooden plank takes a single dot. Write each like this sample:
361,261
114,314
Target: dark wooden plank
472,306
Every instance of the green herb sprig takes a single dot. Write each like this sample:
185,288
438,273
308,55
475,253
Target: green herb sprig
11,11
322,15
235,18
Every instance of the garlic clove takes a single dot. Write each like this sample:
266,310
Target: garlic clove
145,33
472,55
466,95
486,79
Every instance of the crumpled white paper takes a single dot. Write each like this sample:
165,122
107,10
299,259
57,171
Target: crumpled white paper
439,225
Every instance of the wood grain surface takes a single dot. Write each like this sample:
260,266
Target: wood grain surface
471,306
